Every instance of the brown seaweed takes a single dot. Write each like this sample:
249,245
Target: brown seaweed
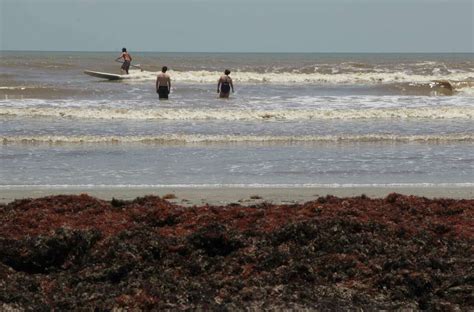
82,253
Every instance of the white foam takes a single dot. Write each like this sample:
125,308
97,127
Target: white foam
224,139
13,88
203,76
436,112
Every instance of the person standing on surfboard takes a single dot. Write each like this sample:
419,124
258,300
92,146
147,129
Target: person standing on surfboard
163,84
224,85
127,59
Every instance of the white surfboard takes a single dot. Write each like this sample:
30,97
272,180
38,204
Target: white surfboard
108,76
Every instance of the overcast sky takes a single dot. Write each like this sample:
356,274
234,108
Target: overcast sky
238,25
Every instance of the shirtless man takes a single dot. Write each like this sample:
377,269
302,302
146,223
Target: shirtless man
127,59
163,84
224,85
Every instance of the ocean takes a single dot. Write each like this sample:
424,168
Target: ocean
295,120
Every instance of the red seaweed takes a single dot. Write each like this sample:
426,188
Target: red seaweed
79,252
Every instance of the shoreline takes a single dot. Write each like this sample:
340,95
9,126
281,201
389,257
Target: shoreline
190,196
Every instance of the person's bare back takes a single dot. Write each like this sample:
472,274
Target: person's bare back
224,85
163,83
127,59
163,79
126,56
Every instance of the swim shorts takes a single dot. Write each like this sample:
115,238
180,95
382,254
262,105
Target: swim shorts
126,65
163,92
225,87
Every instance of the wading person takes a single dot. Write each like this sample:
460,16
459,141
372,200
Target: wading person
127,59
224,85
163,83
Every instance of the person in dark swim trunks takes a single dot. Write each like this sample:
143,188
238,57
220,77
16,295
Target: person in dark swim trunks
127,59
163,83
224,85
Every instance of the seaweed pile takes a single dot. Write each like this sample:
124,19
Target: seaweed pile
82,253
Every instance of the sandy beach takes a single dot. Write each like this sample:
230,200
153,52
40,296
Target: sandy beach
187,196
257,156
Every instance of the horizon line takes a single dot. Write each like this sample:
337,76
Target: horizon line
249,52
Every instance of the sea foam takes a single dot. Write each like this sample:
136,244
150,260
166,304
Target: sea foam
223,139
203,76
437,112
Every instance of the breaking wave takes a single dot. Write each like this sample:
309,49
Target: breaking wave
222,139
204,76
437,112
446,83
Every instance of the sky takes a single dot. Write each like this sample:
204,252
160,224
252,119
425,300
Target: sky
238,25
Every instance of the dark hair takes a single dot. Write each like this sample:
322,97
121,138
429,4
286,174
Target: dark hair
164,69
226,71
124,50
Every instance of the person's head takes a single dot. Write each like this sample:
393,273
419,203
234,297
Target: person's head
164,69
226,71
124,50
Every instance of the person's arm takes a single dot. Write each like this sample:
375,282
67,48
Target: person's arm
157,83
219,84
118,58
231,84
169,84
130,58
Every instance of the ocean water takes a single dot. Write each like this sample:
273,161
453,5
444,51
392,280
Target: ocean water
297,120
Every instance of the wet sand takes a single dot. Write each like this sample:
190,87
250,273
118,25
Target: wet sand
226,195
